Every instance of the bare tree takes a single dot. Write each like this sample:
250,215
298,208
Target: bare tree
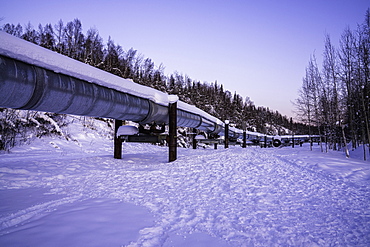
59,37
13,30
330,91
93,48
347,58
30,34
364,75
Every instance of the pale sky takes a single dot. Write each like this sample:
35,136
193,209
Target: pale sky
259,49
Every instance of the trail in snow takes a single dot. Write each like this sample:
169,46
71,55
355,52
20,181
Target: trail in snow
233,197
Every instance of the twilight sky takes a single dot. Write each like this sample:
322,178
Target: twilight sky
259,49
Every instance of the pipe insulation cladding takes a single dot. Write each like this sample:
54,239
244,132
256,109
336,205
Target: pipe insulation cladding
35,78
28,87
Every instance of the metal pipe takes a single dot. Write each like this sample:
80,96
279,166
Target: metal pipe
29,87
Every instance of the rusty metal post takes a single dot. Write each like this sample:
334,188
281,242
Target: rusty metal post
117,141
172,132
226,133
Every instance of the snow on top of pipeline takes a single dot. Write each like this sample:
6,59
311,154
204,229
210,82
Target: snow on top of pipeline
28,52
193,109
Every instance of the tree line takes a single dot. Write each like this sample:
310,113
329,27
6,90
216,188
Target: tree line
68,39
335,98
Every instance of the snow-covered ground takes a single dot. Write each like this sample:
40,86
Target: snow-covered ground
55,192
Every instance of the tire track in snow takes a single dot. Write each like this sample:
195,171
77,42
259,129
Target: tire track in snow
14,221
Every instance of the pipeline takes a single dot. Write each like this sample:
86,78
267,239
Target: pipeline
28,87
34,78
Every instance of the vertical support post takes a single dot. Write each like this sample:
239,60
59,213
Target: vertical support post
293,141
117,141
194,140
244,126
226,133
172,111
244,139
265,144
215,145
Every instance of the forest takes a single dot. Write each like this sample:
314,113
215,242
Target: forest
68,39
335,97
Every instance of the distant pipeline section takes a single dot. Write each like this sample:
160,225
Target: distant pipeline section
29,87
